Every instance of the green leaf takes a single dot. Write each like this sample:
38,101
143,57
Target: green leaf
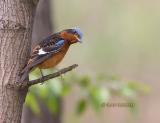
97,96
85,81
42,91
32,103
139,86
128,92
131,89
81,106
66,89
52,104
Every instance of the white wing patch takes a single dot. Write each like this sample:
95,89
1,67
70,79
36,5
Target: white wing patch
41,52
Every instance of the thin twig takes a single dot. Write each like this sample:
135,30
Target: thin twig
53,75
25,85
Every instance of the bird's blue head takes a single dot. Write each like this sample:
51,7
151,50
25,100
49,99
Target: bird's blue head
73,35
78,32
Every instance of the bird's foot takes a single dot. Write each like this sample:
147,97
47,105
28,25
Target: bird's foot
42,82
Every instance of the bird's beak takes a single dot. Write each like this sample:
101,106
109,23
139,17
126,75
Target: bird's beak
78,39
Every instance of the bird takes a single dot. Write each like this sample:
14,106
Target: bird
51,50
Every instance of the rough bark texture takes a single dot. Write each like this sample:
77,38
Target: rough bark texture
16,20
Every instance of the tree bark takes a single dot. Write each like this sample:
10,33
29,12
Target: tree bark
16,20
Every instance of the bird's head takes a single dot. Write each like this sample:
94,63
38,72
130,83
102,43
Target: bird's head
73,35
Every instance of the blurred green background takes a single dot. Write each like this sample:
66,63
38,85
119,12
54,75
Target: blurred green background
121,40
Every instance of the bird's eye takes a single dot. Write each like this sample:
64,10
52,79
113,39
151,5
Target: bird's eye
75,33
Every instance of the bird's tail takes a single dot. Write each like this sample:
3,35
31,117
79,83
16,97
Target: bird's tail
24,75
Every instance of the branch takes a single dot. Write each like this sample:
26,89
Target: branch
25,85
53,75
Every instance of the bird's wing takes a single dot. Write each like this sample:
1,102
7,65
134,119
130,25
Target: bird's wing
43,51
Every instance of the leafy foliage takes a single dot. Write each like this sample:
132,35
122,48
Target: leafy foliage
93,91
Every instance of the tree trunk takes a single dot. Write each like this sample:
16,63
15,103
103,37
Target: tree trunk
16,20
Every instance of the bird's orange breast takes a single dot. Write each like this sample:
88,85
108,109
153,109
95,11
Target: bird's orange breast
55,59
